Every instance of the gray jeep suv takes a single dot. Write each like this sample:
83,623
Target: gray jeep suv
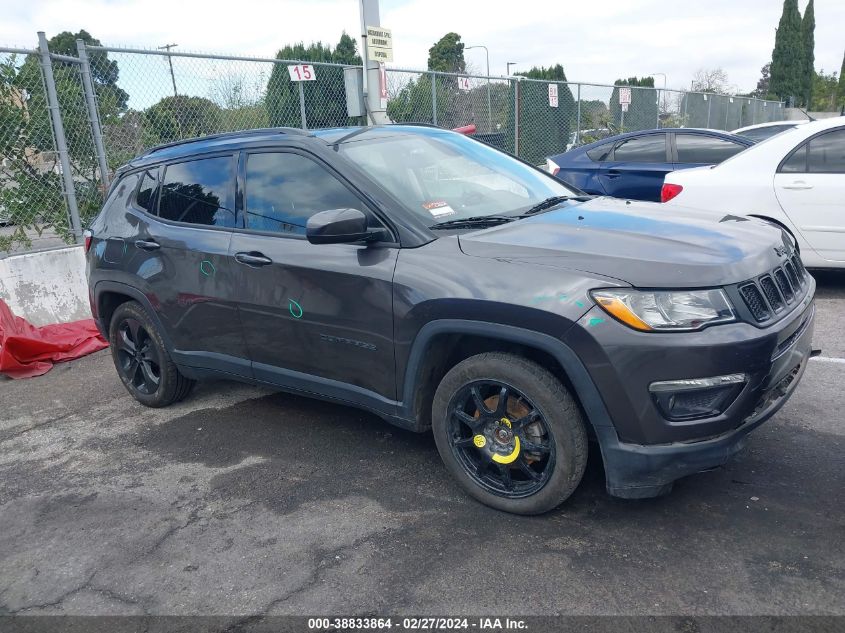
449,287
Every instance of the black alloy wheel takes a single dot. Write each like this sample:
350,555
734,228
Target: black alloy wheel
501,439
142,360
138,361
509,432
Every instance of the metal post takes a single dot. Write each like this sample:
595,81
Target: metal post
59,132
302,105
685,99
167,47
93,115
515,115
376,113
434,98
709,103
578,117
658,108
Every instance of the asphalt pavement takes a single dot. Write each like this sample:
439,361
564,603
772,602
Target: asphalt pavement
241,501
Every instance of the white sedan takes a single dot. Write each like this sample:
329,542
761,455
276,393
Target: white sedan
795,179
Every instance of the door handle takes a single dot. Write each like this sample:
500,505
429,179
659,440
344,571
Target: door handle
253,259
147,245
613,173
798,185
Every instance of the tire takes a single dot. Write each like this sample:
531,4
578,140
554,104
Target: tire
475,446
149,375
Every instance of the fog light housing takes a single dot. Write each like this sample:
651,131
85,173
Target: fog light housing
695,398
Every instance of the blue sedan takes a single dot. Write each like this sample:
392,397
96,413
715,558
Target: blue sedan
633,165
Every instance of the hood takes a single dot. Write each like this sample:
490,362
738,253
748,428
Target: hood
644,244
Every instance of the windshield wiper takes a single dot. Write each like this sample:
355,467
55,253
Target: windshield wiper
548,203
478,220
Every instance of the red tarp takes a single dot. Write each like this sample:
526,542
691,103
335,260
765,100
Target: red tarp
27,351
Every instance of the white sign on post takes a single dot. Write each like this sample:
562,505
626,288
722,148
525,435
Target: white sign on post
302,72
624,96
379,44
463,84
624,107
552,95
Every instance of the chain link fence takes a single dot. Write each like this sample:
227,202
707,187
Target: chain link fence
67,122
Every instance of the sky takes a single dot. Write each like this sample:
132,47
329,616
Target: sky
595,42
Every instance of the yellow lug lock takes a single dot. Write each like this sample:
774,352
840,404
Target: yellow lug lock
480,441
507,459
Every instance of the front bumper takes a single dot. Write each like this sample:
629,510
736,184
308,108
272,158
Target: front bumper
636,471
643,452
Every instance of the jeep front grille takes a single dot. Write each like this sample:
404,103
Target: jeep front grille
755,302
767,295
771,293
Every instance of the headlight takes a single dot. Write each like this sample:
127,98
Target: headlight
658,310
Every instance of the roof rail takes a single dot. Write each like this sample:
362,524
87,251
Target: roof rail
222,135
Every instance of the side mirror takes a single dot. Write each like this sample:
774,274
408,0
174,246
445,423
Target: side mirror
338,226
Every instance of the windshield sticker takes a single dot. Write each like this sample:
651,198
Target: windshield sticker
438,209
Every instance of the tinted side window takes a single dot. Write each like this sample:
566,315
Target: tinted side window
797,162
601,152
696,148
148,191
283,190
826,154
642,149
198,192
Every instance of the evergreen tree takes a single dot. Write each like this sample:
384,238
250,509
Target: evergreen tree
447,55
808,27
325,98
840,93
544,130
788,54
643,111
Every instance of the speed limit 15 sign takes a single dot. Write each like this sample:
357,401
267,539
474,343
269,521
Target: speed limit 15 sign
302,72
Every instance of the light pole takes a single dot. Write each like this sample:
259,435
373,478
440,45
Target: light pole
664,93
489,108
509,64
167,47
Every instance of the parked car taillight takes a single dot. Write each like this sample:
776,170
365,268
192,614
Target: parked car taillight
552,167
87,236
669,191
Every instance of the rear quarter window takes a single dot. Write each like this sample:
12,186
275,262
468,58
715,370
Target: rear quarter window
600,153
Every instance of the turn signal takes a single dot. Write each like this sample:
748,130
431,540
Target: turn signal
618,309
669,191
87,235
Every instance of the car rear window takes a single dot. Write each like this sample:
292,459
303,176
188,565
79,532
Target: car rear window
199,192
600,153
762,133
709,150
642,149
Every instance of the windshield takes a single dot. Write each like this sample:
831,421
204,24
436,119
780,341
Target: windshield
445,176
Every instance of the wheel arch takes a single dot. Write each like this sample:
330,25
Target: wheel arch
109,295
441,344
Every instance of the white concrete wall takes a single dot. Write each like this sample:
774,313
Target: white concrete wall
46,287
793,114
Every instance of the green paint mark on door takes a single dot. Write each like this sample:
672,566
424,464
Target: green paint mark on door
295,309
207,268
